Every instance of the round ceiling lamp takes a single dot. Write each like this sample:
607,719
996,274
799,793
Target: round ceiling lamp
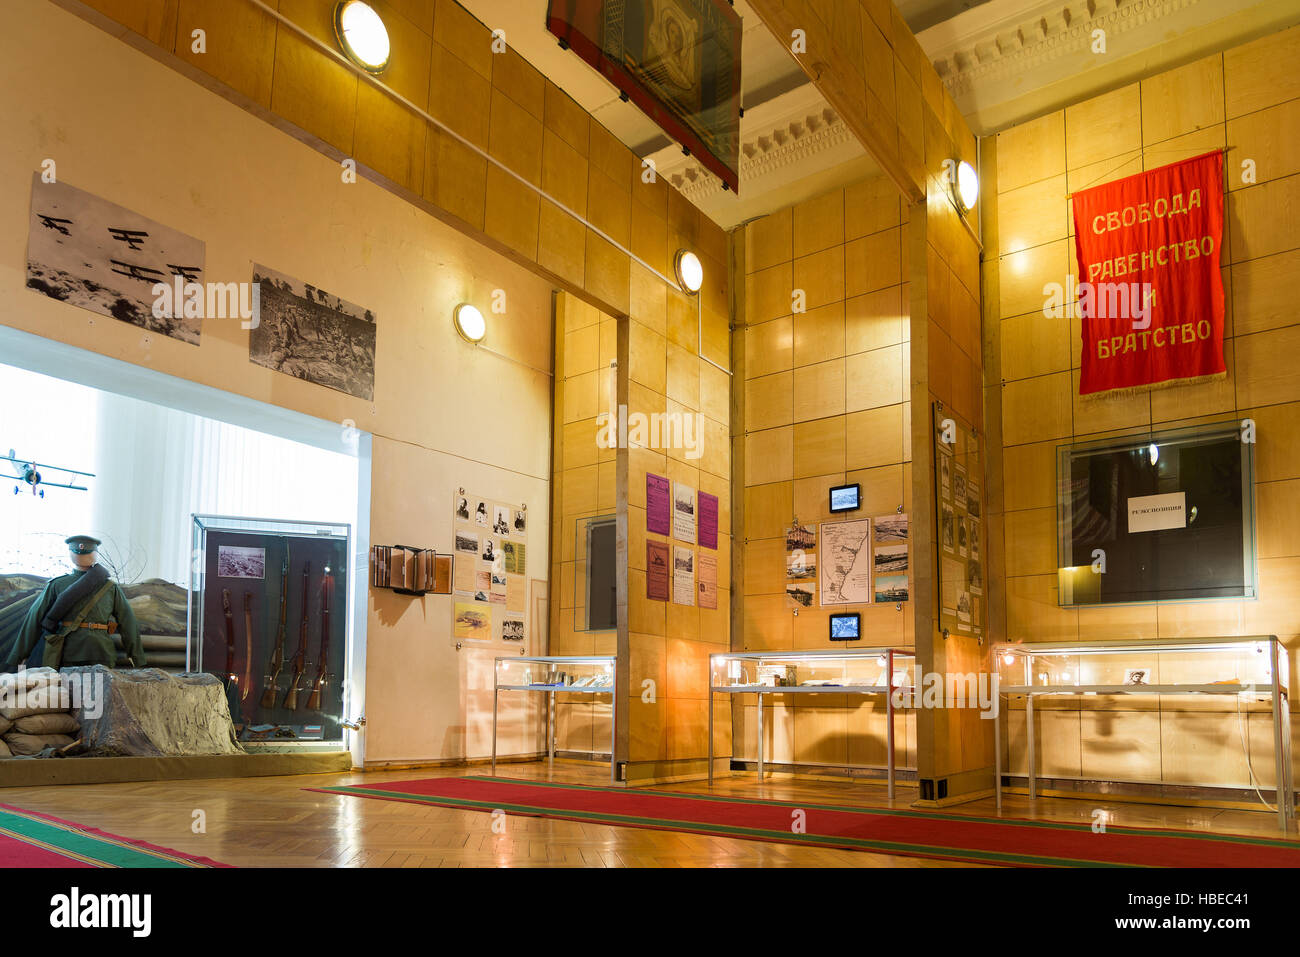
469,323
968,185
690,271
362,35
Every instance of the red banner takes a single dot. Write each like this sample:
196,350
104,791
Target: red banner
1150,291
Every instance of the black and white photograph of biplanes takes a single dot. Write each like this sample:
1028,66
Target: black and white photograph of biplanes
307,333
98,256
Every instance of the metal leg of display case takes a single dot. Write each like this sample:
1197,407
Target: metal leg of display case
495,693
550,731
889,739
760,735
997,753
710,732
1029,747
613,738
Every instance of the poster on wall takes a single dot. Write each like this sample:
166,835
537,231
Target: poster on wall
683,513
708,508
1150,296
658,505
489,573
106,259
800,554
846,562
708,578
309,334
677,60
656,574
800,595
683,576
959,528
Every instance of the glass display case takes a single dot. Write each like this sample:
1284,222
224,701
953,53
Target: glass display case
551,674
862,671
269,616
1256,668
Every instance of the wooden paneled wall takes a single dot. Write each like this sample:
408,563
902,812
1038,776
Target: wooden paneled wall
1247,100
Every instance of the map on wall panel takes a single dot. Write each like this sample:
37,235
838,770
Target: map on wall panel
98,256
846,562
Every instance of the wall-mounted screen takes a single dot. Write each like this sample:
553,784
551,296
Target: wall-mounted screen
1159,516
846,627
846,498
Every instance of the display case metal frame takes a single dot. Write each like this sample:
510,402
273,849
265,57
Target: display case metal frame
551,691
1275,691
890,654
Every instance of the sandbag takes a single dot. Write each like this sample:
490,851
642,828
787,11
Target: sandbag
5,725
150,713
4,751
20,743
44,695
60,723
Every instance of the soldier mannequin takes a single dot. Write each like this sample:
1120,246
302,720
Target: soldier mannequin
77,615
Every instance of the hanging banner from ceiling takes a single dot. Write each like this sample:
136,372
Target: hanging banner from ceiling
677,60
1150,291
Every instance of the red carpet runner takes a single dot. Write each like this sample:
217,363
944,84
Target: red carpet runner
983,840
31,839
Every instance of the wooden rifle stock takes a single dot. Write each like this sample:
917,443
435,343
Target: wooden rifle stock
276,663
230,637
322,676
300,656
248,646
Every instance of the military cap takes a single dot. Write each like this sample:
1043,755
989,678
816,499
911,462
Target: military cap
82,544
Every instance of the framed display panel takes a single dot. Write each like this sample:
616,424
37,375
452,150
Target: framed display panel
595,597
489,570
1158,516
269,616
959,517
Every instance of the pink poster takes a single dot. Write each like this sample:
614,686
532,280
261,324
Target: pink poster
708,508
657,498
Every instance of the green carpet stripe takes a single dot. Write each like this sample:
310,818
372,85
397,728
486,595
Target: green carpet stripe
106,852
785,837
909,812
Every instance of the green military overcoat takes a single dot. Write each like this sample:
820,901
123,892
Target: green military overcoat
82,645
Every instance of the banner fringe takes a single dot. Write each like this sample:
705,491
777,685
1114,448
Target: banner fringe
1153,386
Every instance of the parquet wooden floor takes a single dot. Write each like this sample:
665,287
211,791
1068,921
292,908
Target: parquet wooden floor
272,821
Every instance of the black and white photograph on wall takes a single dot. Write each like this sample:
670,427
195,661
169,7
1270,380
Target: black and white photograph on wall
973,498
891,559
235,561
309,334
467,542
106,259
959,486
489,550
521,522
975,577
945,474
481,514
947,529
800,594
891,528
500,520
973,532
512,629
963,537
462,510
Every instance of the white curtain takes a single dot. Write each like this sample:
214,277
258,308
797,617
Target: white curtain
154,468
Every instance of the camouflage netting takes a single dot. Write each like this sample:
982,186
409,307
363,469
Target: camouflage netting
149,713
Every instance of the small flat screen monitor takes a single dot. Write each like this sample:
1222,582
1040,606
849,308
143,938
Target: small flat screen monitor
846,627
846,498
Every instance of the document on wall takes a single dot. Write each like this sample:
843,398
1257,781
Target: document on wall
683,513
656,575
708,575
515,557
708,520
683,576
658,500
846,562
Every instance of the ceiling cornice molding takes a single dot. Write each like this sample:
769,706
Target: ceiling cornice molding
791,137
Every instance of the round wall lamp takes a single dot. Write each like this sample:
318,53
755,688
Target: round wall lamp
362,35
469,323
967,186
690,271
